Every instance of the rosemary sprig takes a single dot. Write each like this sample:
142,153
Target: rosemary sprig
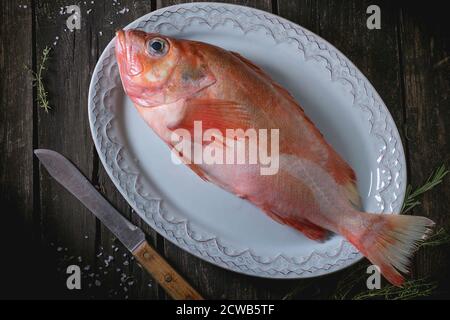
433,180
38,82
352,279
411,289
440,237
300,288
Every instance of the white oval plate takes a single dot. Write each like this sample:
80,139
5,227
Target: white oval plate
202,218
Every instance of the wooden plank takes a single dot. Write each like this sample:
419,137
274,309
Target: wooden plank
304,13
16,114
16,145
124,270
65,221
425,48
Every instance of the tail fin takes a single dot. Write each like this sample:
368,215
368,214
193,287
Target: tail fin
389,241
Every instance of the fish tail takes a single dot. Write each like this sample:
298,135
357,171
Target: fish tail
389,241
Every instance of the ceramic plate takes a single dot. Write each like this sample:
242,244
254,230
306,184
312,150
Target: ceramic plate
205,220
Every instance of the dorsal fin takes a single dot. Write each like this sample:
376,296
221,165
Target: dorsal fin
263,74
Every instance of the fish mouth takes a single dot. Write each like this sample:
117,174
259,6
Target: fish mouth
121,40
124,53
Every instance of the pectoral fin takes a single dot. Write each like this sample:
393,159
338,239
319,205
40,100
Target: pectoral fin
214,114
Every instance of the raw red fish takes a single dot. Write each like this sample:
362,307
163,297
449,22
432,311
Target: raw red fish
175,82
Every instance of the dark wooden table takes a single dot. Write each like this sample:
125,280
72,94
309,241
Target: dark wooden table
44,229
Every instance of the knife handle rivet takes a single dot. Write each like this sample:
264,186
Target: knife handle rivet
146,255
168,278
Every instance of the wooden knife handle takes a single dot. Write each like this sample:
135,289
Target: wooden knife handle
164,274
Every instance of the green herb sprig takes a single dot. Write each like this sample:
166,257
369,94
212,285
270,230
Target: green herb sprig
346,286
433,180
411,289
38,82
439,238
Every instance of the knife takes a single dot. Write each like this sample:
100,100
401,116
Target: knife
133,238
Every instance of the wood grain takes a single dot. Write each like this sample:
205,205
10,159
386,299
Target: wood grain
172,282
65,128
16,113
143,287
16,136
425,51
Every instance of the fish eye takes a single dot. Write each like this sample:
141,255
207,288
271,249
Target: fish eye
157,47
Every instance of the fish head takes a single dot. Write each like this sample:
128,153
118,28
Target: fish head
157,70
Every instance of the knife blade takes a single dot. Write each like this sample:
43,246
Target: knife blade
133,238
